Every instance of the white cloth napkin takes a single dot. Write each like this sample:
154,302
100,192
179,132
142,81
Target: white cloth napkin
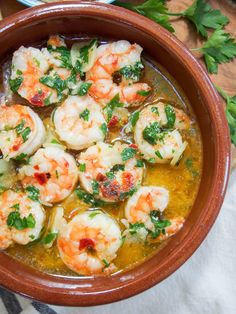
205,284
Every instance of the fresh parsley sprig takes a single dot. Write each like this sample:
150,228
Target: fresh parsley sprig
203,16
219,48
230,113
155,10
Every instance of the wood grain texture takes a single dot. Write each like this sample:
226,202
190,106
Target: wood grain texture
185,31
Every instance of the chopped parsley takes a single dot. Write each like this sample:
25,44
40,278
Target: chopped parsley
143,92
85,115
155,110
55,82
159,224
114,103
150,133
133,228
21,157
50,237
14,220
33,192
24,132
63,54
82,167
104,129
134,118
87,197
132,72
94,213
95,187
128,153
158,154
105,263
170,115
16,206
140,163
83,89
15,83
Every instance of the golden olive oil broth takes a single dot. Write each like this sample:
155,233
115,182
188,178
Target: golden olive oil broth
182,181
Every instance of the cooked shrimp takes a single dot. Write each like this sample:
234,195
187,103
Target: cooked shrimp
157,135
89,242
145,200
79,122
110,172
21,131
144,211
21,219
28,65
51,173
116,71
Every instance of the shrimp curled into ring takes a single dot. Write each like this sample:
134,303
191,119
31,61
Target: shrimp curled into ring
110,171
145,208
21,219
79,122
118,59
52,173
21,131
89,242
157,135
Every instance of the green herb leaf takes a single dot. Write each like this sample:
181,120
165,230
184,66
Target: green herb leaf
25,134
83,89
16,206
140,163
155,110
85,114
170,115
33,192
114,103
104,129
88,198
133,72
54,81
143,92
105,263
21,157
95,187
14,220
153,9
158,154
134,118
94,213
50,237
204,16
150,133
62,54
15,84
159,224
133,228
128,153
219,48
82,167
230,113
20,127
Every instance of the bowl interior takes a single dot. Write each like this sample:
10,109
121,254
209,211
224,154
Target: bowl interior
108,21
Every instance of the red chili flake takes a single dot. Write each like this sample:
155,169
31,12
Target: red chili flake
86,243
38,100
113,122
16,147
133,146
101,177
36,167
110,190
127,181
42,178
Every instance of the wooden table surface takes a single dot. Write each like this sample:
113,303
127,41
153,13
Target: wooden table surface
226,77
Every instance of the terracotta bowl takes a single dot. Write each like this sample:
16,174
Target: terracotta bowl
37,24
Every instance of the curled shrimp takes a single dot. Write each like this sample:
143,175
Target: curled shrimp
157,133
51,174
144,214
21,219
89,242
110,172
21,131
116,71
79,122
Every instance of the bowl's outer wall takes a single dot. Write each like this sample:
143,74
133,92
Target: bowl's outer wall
107,21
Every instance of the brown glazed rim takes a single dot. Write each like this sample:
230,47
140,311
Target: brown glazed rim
74,292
